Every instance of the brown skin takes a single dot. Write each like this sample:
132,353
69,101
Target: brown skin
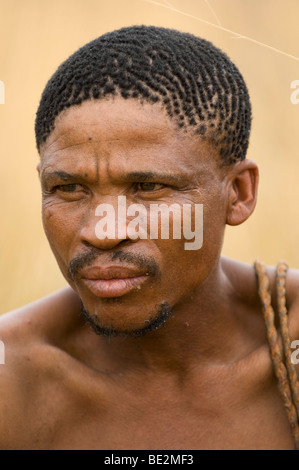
205,379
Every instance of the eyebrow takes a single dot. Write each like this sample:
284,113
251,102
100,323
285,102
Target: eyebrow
63,175
137,176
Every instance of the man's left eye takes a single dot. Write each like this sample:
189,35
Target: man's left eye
150,186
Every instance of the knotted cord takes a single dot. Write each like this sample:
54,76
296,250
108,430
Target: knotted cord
281,357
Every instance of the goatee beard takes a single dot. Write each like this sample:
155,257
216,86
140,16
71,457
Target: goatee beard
156,322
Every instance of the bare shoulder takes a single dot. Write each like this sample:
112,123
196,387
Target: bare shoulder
243,279
245,286
27,338
42,314
37,324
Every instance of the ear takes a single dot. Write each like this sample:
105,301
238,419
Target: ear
38,167
242,192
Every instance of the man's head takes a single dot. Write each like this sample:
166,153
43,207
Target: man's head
159,117
197,84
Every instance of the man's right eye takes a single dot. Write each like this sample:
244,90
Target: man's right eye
69,188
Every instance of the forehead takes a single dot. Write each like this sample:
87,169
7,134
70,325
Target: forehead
128,133
111,119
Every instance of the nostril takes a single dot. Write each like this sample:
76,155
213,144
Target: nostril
87,244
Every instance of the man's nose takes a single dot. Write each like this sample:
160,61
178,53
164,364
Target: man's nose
104,225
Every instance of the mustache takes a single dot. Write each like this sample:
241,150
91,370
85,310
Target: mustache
137,260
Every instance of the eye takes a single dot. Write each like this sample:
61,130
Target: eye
69,188
150,186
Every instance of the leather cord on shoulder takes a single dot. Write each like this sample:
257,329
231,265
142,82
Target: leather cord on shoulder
285,373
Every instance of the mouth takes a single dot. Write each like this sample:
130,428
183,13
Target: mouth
106,288
112,281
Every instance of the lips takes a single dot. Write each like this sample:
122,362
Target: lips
113,281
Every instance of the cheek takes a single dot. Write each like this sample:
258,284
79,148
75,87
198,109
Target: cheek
184,270
188,262
61,227
214,221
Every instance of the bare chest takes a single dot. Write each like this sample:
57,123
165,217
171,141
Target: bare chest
236,407
202,417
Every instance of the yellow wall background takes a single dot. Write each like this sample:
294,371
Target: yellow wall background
37,35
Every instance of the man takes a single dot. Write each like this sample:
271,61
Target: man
153,346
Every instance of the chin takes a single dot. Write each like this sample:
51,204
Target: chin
128,326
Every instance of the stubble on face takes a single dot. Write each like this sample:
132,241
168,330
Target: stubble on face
157,320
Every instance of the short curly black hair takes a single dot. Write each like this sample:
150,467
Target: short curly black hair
199,86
